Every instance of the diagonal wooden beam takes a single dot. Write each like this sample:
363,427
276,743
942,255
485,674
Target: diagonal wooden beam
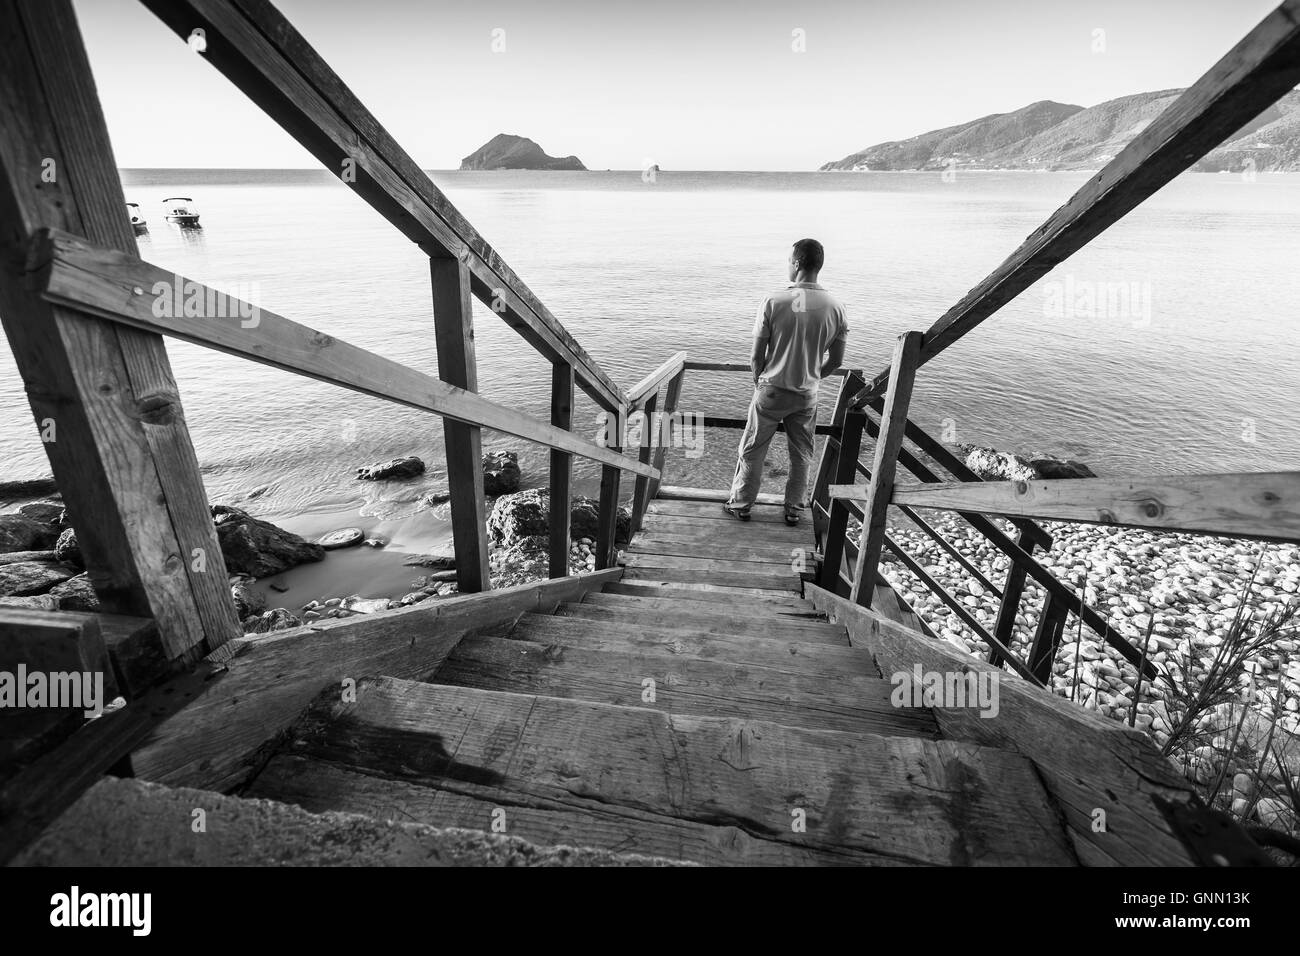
1249,78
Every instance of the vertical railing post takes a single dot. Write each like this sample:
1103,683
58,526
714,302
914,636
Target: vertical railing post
562,380
649,444
1011,594
849,386
1047,637
672,399
453,322
104,398
607,527
846,465
893,420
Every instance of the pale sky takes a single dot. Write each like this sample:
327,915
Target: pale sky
688,84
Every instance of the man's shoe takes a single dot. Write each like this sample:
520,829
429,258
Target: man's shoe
735,511
792,518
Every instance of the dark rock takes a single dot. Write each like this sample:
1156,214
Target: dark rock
19,532
992,465
35,602
48,513
414,597
527,513
32,577
342,538
435,498
76,594
395,468
277,619
1048,467
501,473
584,520
247,599
14,557
66,549
438,576
26,489
441,562
256,547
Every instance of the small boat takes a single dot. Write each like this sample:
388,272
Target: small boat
180,210
138,222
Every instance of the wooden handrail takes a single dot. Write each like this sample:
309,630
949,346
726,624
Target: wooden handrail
1260,505
1251,76
638,393
118,287
259,51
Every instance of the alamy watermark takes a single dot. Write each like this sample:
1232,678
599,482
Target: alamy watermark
636,429
185,298
1073,298
976,689
52,690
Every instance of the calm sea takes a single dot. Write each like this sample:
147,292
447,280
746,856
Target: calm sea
1170,344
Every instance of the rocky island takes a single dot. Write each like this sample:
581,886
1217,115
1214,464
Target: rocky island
505,151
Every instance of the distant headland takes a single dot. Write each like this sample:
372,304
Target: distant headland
505,151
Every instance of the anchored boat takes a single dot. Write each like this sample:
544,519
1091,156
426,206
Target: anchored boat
180,210
138,222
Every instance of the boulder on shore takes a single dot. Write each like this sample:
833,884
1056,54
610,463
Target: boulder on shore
23,578
501,473
20,532
247,600
276,619
258,548
76,594
66,549
527,514
993,465
391,470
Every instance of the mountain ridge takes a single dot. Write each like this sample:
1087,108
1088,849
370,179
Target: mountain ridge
507,151
1059,136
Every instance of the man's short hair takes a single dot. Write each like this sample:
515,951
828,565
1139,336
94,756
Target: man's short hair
810,254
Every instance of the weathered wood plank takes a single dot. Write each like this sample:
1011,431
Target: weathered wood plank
837,525
1262,505
695,626
796,651
683,493
453,319
1009,606
734,597
606,545
1087,761
1263,66
735,579
659,612
884,466
779,555
264,56
104,398
213,743
640,558
866,799
642,390
561,475
102,282
641,486
705,688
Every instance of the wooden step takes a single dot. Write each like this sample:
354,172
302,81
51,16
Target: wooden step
695,548
758,528
724,562
706,688
760,515
709,790
674,615
731,597
718,495
812,657
798,611
786,583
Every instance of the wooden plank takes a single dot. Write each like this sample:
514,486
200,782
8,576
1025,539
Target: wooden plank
730,579
672,398
641,487
809,656
655,559
820,509
1009,606
698,625
675,545
1047,637
213,744
453,320
867,799
724,529
681,493
1262,505
264,56
662,612
763,514
1087,761
641,392
606,545
885,465
102,282
120,451
850,447
1263,66
705,688
561,475
735,597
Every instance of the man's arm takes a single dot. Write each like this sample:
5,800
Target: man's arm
834,357
758,357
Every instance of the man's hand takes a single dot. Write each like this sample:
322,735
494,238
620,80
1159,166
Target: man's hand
758,358
834,358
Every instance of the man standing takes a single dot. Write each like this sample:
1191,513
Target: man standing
794,329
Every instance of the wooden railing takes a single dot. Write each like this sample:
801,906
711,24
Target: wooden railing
1258,70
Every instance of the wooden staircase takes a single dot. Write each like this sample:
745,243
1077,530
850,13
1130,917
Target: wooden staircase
699,710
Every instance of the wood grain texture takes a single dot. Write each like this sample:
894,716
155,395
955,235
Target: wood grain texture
660,612
713,790
213,743
639,393
684,685
732,597
561,473
265,57
884,466
1263,66
724,578
1262,505
453,319
672,398
1086,761
121,454
103,283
